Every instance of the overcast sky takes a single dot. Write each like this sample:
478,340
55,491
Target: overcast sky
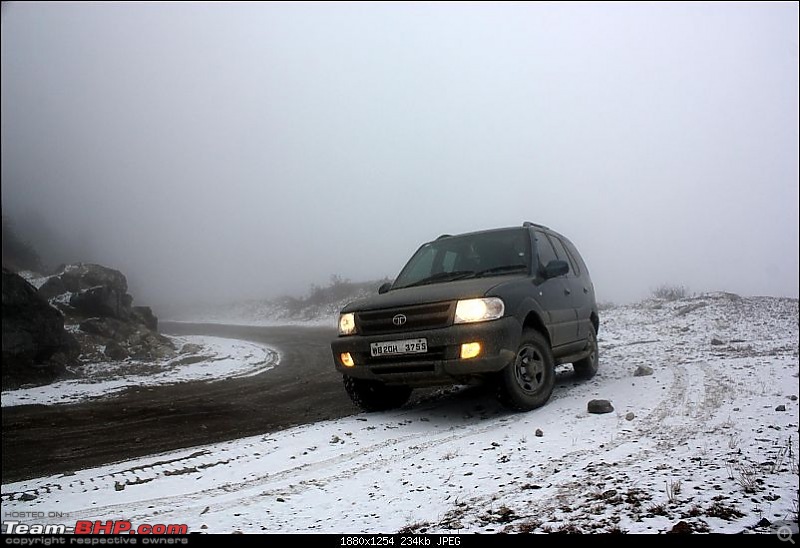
215,151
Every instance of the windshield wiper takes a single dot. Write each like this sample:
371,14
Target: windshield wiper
509,268
442,277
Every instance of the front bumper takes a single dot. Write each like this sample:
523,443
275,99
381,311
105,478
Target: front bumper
442,363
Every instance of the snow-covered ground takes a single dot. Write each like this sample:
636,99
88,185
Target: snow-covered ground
206,359
709,439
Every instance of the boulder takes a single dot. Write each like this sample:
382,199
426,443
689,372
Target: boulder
77,277
144,315
125,339
599,407
36,347
115,351
52,287
102,301
110,328
91,290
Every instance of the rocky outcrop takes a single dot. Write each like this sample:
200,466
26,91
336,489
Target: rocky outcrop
102,324
96,299
91,290
36,348
119,339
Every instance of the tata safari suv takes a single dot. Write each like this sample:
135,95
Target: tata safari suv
504,306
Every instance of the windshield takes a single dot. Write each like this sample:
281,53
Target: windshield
472,255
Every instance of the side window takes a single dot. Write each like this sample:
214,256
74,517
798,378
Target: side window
545,248
580,266
562,253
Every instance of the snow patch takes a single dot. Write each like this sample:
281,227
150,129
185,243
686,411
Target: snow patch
217,358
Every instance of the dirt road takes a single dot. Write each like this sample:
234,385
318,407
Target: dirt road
304,387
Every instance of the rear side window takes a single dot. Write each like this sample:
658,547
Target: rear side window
564,255
546,252
576,257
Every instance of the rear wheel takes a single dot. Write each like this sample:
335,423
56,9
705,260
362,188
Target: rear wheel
528,382
587,367
374,395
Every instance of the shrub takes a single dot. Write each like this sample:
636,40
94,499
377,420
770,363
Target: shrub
670,292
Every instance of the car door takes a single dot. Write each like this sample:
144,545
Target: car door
573,286
584,296
554,295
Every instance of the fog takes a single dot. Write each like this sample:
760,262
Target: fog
226,151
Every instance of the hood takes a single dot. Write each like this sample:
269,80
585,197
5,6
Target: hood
445,291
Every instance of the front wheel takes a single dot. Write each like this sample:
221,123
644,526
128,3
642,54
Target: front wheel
375,396
528,382
587,367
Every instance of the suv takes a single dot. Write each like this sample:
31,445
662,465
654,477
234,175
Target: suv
504,305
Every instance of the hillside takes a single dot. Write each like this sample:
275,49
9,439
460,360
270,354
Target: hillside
320,306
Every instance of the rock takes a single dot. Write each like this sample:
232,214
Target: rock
102,301
539,433
793,397
80,276
689,308
629,416
643,371
107,327
599,407
36,348
682,527
763,522
716,342
126,339
191,348
26,497
115,351
91,289
144,315
780,408
53,287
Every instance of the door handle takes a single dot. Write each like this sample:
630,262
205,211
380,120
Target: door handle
567,291
585,289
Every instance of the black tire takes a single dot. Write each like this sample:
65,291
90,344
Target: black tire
375,396
528,381
587,367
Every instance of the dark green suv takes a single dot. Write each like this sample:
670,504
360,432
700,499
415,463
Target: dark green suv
504,305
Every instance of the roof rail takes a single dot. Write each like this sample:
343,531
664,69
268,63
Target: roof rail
528,224
444,236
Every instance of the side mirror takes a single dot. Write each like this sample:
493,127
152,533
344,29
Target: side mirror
384,288
555,268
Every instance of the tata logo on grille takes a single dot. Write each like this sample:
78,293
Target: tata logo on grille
399,320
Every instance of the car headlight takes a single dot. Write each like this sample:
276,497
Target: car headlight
479,310
347,324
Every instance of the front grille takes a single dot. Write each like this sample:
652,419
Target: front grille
418,317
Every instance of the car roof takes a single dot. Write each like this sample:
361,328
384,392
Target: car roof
526,224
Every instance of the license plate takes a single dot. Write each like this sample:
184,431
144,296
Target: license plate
393,348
